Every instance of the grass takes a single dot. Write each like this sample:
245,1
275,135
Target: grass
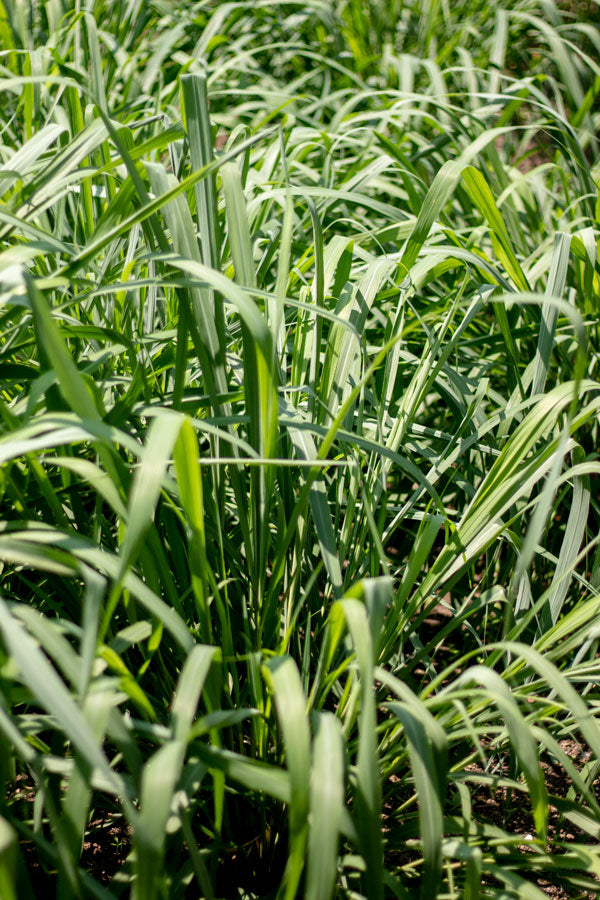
299,346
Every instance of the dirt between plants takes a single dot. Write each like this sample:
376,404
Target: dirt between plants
496,809
102,856
107,849
108,839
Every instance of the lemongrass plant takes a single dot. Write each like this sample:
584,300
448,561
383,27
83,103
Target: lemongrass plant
299,482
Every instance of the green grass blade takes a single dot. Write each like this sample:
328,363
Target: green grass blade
290,703
47,687
9,853
326,806
368,790
554,288
159,780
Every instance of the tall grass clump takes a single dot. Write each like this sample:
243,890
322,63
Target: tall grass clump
299,429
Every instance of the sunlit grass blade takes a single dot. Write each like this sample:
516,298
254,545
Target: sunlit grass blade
293,298
159,779
554,288
291,711
368,790
326,804
9,853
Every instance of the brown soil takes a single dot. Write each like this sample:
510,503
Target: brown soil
497,808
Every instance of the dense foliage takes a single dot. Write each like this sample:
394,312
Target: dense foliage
299,535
